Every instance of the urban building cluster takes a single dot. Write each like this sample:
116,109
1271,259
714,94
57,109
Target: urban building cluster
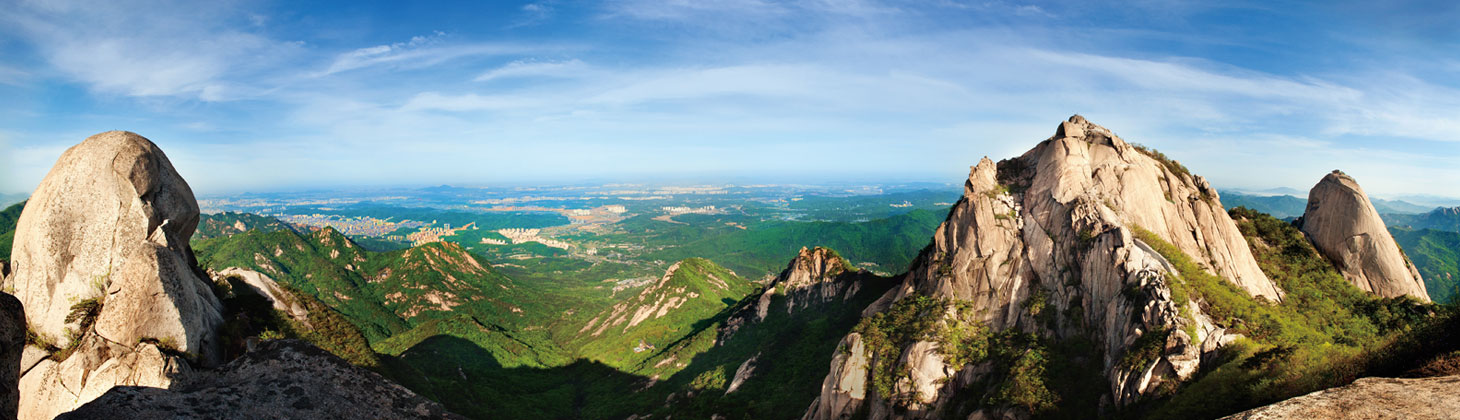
353,226
519,235
434,234
678,210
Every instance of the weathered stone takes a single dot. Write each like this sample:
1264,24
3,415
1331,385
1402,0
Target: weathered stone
108,220
1346,228
109,225
1369,399
845,388
817,276
742,374
262,285
96,366
1058,222
284,379
12,350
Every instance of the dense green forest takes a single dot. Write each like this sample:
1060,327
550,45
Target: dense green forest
1437,256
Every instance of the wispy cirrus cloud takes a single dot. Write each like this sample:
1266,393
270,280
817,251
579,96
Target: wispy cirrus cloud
535,68
177,49
911,86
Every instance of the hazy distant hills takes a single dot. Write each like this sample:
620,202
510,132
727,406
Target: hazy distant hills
1291,204
1445,219
232,223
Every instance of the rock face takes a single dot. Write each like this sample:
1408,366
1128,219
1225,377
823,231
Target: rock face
816,276
1057,225
1369,398
1344,226
12,350
254,282
110,218
283,379
104,237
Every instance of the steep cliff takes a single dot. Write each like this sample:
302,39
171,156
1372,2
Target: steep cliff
1344,226
1052,246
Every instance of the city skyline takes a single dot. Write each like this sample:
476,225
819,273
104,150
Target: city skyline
266,96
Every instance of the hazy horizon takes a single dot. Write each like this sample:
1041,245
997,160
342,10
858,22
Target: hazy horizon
268,96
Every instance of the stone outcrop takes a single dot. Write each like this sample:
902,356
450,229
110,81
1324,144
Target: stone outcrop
1060,223
1369,399
110,285
12,353
816,276
1346,228
253,282
101,256
111,218
283,379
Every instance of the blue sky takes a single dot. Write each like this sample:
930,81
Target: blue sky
261,95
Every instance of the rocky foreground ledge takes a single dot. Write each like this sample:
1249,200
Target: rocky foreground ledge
1370,398
281,379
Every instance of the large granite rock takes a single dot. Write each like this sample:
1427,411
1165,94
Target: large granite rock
111,221
108,226
283,379
12,350
1059,222
1346,228
1370,399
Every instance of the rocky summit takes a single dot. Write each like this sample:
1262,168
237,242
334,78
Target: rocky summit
1346,228
113,296
1050,243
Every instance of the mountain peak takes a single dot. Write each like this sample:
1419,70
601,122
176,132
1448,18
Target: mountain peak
1345,227
1043,244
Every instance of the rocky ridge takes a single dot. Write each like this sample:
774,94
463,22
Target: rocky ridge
1345,227
815,277
1058,225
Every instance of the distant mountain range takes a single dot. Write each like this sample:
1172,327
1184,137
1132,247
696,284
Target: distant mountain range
1290,203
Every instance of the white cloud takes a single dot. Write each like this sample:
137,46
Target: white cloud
534,68
177,49
468,102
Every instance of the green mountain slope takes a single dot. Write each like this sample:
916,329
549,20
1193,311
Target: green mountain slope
768,357
1444,219
1437,256
8,219
760,249
784,335
231,223
1279,206
324,264
675,307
